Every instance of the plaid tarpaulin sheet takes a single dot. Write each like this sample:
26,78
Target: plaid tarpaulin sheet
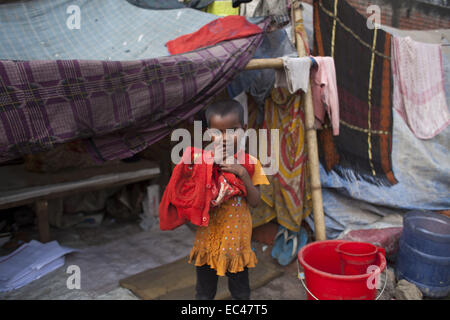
363,72
118,107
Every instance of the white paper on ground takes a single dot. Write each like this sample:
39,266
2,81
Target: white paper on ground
30,261
31,276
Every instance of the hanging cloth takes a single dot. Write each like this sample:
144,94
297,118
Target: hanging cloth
294,75
419,94
324,92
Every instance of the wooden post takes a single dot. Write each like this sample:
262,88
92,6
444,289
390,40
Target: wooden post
311,136
41,207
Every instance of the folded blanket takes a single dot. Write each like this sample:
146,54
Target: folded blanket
419,94
196,184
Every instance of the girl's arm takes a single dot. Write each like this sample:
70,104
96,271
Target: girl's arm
253,194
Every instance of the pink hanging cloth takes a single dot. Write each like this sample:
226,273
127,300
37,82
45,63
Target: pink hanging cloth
418,80
324,92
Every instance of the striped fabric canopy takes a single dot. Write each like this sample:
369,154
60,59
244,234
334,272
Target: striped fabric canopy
102,82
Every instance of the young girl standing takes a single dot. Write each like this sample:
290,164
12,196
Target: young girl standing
224,246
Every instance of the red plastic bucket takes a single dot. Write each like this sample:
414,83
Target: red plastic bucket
356,257
323,278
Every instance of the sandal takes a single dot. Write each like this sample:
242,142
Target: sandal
289,249
280,239
299,239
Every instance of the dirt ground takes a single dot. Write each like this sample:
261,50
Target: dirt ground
285,287
139,246
52,286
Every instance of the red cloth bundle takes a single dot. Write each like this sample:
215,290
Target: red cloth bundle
226,28
197,184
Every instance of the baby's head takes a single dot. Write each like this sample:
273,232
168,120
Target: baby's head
223,115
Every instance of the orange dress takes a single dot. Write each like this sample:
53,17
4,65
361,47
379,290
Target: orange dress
225,244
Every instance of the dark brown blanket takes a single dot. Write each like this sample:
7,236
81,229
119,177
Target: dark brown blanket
363,71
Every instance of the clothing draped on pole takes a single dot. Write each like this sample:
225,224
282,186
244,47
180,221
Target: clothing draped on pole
259,83
324,93
288,197
295,74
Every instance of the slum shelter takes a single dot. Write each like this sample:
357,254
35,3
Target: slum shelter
412,173
87,112
98,110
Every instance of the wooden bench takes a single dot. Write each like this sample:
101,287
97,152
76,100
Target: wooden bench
19,187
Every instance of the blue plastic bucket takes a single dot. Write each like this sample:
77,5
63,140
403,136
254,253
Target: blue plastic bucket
424,253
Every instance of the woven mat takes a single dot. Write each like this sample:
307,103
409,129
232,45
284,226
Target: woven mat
176,281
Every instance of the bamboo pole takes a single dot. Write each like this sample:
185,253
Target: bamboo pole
254,64
311,136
